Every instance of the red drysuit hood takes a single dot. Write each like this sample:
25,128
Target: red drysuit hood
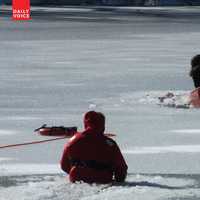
94,120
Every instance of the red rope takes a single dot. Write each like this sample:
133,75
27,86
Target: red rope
42,141
33,142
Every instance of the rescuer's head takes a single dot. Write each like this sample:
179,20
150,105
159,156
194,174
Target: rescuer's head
94,120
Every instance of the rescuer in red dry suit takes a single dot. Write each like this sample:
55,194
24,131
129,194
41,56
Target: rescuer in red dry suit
92,157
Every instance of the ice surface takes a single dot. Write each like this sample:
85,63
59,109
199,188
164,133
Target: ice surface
133,67
164,149
7,132
186,131
25,169
5,159
57,187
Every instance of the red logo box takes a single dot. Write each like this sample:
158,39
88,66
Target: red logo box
21,10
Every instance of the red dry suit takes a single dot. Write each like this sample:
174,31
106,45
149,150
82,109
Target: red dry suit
90,156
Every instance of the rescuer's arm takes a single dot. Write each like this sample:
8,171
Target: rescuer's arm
65,160
120,166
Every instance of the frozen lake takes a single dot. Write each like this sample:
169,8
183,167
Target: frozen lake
61,64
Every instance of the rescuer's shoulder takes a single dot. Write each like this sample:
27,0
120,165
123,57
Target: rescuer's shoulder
110,142
75,138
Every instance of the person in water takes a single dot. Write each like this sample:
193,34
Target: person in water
92,157
195,70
